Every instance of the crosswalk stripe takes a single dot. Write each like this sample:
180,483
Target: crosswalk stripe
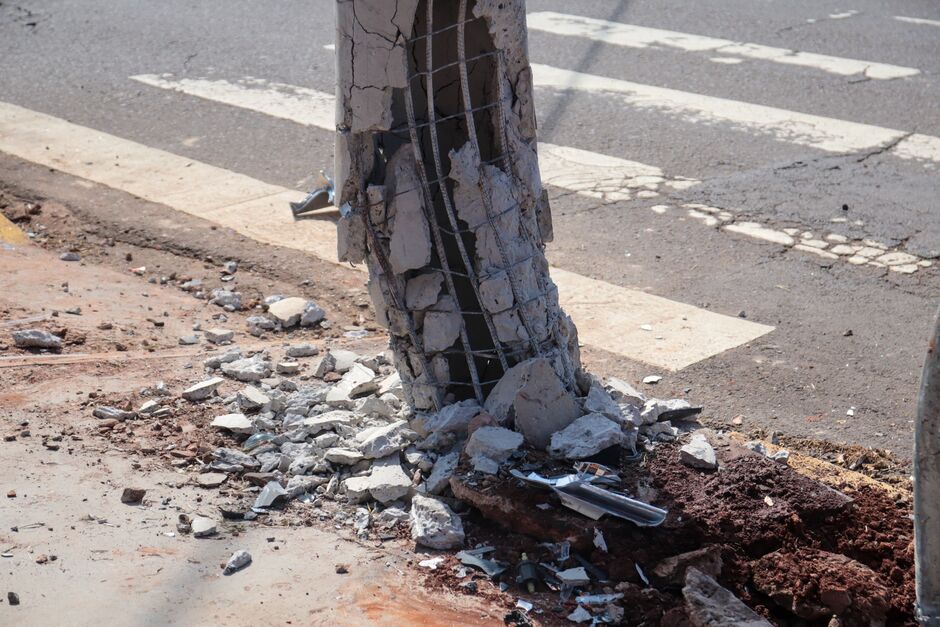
587,173
632,36
823,133
607,314
917,20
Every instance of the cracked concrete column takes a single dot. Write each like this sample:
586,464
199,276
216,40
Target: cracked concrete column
438,186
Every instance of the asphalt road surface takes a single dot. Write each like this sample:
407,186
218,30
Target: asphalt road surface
770,161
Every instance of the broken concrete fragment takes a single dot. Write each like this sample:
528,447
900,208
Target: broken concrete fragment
698,453
238,561
36,338
287,311
357,381
236,423
329,420
343,360
434,525
623,392
573,576
312,314
188,340
302,350
219,336
453,418
423,290
249,370
343,456
251,398
232,457
231,301
373,406
323,365
391,385
536,397
133,496
580,615
211,479
108,413
376,442
710,605
216,361
288,368
672,569
599,401
586,436
203,527
387,481
494,443
203,390
442,325
257,325
357,489
485,465
443,470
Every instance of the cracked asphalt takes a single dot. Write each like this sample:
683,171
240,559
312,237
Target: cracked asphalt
847,337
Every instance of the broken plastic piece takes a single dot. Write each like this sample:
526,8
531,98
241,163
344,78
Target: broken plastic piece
598,599
639,571
599,540
592,570
577,492
678,414
472,558
318,198
524,605
269,493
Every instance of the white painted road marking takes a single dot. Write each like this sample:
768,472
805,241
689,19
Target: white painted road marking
917,20
642,37
587,173
823,133
606,313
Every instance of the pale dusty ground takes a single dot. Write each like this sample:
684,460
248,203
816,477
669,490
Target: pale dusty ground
128,571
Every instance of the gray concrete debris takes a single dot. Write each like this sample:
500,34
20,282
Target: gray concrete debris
106,413
586,436
434,525
288,311
323,365
232,301
288,368
422,460
580,615
485,465
70,256
672,570
211,479
36,338
454,418
312,314
494,443
230,267
662,431
391,516
710,605
423,290
391,385
329,421
302,350
238,561
249,370
257,325
202,390
387,481
236,423
599,401
698,453
343,456
376,442
443,470
343,360
374,406
623,392
149,407
251,398
231,457
188,340
357,381
219,336
230,355
654,407
442,325
203,527
357,489
533,393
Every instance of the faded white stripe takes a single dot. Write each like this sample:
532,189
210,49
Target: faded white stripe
917,20
604,312
587,173
823,133
643,37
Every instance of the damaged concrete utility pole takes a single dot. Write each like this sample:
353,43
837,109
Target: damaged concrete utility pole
927,487
438,185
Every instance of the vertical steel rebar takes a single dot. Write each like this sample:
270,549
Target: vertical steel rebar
927,487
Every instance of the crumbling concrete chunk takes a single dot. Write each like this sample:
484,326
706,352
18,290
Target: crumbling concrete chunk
287,312
442,325
698,453
535,396
231,301
343,456
376,442
251,398
357,381
443,470
388,482
249,370
36,338
423,290
710,605
496,443
329,420
236,423
230,355
434,525
203,390
113,413
586,436
219,336
623,392
357,489
453,418
302,350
